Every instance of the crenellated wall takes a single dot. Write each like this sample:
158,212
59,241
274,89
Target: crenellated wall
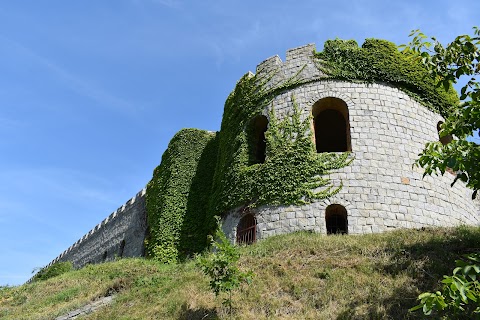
298,64
382,190
121,234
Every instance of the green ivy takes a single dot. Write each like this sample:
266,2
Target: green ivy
177,197
293,173
203,175
380,61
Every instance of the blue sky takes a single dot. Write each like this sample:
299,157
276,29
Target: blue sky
91,92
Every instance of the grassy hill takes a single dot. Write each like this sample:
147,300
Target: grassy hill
297,276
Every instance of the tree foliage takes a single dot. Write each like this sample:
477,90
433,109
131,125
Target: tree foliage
460,295
456,61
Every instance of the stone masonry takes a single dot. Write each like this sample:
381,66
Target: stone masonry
121,234
381,190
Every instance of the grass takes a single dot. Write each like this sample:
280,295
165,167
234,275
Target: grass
297,276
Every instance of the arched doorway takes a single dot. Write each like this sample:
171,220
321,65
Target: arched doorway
331,125
247,230
336,219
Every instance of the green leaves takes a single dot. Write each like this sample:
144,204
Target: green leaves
178,196
292,168
380,60
458,60
460,295
429,302
221,267
460,298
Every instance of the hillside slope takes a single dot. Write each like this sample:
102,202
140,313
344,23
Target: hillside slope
297,276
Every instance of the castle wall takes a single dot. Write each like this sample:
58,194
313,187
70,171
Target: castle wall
122,234
381,190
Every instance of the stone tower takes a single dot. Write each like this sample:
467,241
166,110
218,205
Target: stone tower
363,134
384,129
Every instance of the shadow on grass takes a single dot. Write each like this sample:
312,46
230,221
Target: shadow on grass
425,263
428,261
198,314
393,307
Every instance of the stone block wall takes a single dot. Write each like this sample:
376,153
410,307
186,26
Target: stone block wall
381,188
121,234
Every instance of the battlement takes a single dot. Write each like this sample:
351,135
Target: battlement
382,126
299,64
105,226
272,64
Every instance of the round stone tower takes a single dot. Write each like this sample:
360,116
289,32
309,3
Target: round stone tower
381,126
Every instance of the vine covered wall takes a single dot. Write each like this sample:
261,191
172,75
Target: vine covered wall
178,194
292,169
289,186
180,212
381,61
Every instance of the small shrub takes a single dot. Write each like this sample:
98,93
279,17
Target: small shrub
221,267
54,270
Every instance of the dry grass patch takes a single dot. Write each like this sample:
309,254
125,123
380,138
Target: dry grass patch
297,276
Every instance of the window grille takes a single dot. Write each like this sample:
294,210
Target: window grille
247,230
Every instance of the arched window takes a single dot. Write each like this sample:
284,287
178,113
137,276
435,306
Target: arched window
336,219
247,230
445,139
331,125
259,126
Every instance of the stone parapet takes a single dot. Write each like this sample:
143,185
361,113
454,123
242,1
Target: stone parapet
121,234
299,65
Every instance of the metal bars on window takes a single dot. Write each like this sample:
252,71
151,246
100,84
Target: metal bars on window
247,230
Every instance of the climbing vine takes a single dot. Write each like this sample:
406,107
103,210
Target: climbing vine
203,175
293,173
177,197
380,60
